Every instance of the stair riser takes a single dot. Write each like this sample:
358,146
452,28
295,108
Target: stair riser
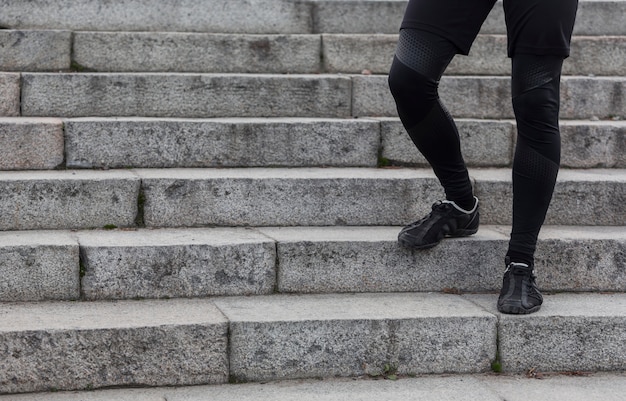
208,262
184,95
573,332
10,93
61,201
51,50
488,56
35,50
31,144
193,143
186,199
259,16
47,357
490,97
199,95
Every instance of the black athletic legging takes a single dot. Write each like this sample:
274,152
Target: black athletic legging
420,61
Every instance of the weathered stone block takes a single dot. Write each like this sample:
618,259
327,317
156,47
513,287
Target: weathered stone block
142,142
31,143
35,50
176,263
36,266
70,346
346,335
10,94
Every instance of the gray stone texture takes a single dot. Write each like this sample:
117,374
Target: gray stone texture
157,143
233,16
576,386
581,259
72,346
368,259
176,263
571,332
346,335
10,94
185,95
489,97
581,197
289,197
355,16
194,52
373,53
38,266
24,50
31,143
484,143
600,144
67,199
357,53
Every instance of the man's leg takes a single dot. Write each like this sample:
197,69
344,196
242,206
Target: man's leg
539,35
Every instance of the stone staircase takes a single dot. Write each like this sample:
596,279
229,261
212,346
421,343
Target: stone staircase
207,192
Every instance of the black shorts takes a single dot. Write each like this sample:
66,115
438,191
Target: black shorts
541,27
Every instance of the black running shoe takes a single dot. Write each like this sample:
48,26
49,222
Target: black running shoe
519,294
446,219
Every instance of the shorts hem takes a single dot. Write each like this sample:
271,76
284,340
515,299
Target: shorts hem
539,51
462,48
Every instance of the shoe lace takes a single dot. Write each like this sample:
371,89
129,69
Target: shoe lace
439,207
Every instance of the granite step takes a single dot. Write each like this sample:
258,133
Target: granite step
260,16
85,345
54,50
38,143
570,386
302,54
74,199
179,342
262,95
204,262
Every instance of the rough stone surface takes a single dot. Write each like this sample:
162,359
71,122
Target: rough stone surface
68,346
489,97
581,259
581,197
31,144
185,95
290,197
67,199
487,387
176,263
38,266
571,332
368,259
373,53
142,142
593,144
483,143
34,50
332,16
10,94
350,53
186,52
235,16
345,335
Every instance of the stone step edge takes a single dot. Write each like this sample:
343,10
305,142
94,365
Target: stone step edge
268,325
590,386
93,265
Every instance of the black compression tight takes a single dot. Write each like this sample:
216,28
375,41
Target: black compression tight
419,63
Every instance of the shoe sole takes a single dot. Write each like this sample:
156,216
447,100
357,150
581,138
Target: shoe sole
406,243
517,309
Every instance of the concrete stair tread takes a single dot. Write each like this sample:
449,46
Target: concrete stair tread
267,16
280,196
295,95
576,386
205,262
304,336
